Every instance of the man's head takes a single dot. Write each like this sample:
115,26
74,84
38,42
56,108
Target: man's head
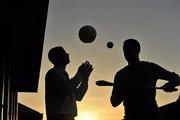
131,49
58,56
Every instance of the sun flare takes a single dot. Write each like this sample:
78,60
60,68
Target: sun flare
85,116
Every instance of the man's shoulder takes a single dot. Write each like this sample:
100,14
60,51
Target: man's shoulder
50,71
142,63
148,63
55,71
151,66
123,70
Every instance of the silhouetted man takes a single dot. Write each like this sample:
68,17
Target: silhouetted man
61,93
135,84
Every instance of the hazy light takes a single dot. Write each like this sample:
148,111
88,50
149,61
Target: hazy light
85,116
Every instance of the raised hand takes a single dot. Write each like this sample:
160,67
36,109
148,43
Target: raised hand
169,87
85,69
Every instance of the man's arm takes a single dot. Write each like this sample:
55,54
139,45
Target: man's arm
172,78
85,70
81,90
76,80
117,93
173,82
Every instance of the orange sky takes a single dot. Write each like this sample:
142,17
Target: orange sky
155,23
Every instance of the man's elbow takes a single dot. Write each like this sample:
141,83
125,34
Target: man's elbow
79,98
114,102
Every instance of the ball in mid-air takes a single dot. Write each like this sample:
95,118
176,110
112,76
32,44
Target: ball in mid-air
110,44
87,34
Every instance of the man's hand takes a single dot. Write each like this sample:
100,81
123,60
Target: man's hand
169,87
85,69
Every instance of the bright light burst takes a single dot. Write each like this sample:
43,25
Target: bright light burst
85,116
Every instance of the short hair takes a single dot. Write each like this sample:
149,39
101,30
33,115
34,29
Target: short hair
55,54
133,42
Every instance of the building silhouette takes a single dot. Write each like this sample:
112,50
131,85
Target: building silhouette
26,113
22,30
170,111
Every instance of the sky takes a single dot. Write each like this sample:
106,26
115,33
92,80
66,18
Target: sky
154,23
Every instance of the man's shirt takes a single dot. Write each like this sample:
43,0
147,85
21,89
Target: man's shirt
61,93
136,85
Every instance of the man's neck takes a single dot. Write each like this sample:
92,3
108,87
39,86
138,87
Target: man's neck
60,66
135,62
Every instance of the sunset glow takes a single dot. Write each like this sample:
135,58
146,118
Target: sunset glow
155,23
86,116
